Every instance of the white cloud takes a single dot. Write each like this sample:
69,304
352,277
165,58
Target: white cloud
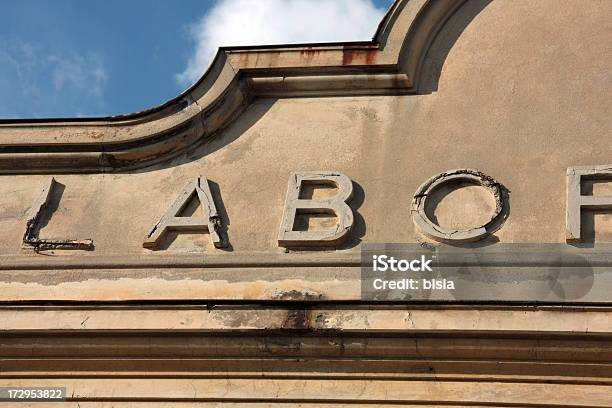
251,22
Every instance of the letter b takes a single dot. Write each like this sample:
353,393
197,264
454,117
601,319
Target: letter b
336,205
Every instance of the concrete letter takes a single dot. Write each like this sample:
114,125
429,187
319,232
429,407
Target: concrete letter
40,206
210,221
460,176
576,201
336,205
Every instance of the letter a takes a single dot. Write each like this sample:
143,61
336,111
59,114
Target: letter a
210,221
335,205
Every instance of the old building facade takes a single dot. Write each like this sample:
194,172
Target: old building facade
208,252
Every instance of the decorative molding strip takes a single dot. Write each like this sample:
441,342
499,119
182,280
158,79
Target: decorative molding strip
517,320
269,391
233,356
527,255
131,261
295,279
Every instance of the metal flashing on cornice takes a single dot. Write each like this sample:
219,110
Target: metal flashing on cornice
387,65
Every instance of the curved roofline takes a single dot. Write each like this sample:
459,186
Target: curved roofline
188,90
389,64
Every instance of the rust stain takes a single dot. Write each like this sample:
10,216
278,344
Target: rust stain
297,318
370,56
352,56
348,56
297,295
309,53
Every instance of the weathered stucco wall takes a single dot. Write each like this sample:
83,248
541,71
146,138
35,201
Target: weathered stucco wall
517,89
522,94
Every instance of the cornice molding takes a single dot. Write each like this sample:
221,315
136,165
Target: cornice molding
461,320
524,256
389,64
528,276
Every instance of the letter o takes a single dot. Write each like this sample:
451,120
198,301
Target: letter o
475,177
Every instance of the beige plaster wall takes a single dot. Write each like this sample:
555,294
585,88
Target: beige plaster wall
519,89
523,92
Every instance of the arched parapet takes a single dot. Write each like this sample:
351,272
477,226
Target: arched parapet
389,64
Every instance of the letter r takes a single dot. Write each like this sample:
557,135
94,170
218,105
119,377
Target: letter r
576,201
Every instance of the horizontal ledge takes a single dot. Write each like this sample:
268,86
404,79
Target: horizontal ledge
225,319
330,85
313,390
130,261
93,155
525,277
271,365
541,375
564,256
338,351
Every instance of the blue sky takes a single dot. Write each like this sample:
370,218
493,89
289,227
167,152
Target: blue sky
71,58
